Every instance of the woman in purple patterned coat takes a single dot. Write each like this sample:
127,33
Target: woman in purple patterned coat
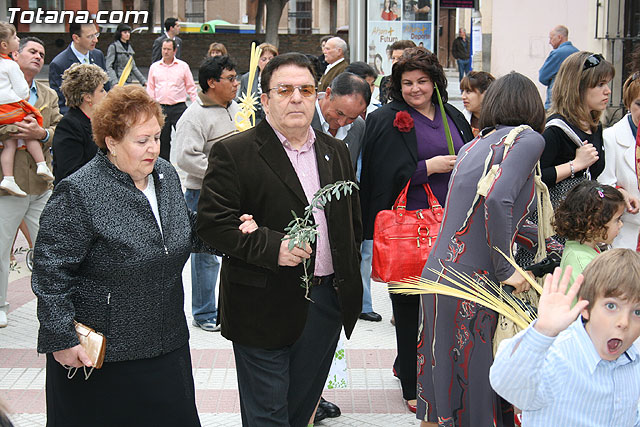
455,336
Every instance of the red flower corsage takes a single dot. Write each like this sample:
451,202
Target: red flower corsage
403,121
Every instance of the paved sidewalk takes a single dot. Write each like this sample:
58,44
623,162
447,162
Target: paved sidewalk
373,397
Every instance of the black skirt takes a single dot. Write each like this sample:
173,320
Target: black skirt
146,392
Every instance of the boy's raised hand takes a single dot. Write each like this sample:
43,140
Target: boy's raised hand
554,309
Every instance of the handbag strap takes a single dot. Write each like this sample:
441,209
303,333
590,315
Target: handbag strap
486,181
573,137
401,200
545,214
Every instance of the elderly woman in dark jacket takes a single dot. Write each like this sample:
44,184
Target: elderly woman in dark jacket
118,55
72,145
113,243
392,156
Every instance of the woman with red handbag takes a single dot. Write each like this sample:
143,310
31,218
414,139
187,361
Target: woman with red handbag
405,140
456,336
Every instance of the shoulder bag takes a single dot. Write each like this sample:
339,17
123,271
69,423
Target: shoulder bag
560,190
402,239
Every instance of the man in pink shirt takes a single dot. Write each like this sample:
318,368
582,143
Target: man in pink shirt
169,82
283,344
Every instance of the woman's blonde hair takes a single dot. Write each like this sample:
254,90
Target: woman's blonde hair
79,80
631,89
7,31
216,47
268,47
570,87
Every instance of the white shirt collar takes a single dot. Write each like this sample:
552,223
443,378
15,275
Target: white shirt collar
342,131
330,66
80,56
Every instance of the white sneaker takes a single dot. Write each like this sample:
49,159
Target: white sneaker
12,188
44,173
3,319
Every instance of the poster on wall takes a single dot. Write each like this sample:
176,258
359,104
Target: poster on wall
391,20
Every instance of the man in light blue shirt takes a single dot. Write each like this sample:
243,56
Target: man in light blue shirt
562,48
571,370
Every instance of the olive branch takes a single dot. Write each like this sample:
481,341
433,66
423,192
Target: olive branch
301,230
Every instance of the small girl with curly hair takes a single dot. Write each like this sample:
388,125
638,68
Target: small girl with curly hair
588,216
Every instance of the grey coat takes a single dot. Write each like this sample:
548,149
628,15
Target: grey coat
117,58
102,260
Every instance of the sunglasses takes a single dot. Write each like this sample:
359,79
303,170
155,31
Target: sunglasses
592,61
287,90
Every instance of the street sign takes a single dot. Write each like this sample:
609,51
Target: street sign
465,4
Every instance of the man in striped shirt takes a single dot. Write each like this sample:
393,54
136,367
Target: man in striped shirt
570,370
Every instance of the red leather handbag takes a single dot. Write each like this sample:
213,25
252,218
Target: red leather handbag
403,239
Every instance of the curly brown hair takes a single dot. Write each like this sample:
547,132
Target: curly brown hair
584,213
418,58
123,107
80,80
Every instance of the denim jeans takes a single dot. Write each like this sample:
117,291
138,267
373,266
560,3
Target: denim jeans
204,274
463,67
365,271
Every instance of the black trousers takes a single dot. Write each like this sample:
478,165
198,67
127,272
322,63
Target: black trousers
154,392
281,387
172,114
405,312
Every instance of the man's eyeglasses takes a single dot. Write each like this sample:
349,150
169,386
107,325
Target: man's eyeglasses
287,90
230,78
592,61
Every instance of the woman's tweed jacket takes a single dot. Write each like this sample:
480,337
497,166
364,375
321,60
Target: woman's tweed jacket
101,259
117,57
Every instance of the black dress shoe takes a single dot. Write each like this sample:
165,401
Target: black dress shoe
330,409
320,415
371,317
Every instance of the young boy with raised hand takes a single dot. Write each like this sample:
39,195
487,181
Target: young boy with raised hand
577,366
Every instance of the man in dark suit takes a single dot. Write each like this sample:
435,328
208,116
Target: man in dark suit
335,51
338,114
283,344
172,29
81,50
338,111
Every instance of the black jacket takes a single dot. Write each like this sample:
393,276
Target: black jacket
101,259
460,48
72,144
262,304
379,186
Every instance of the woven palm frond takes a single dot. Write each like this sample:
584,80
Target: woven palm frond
246,118
519,269
461,285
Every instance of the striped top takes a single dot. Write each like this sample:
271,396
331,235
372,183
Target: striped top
562,381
